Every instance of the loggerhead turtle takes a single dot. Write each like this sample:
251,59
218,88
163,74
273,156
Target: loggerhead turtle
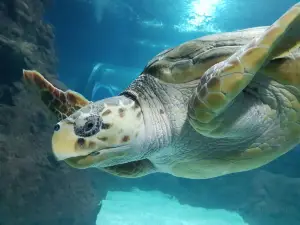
216,105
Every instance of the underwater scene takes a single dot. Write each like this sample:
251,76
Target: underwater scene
150,112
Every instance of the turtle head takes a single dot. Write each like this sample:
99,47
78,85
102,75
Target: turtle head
103,133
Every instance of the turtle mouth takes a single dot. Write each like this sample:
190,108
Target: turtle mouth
100,158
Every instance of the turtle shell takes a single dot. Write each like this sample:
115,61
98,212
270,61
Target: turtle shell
191,59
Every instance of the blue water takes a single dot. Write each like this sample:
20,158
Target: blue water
103,45
131,32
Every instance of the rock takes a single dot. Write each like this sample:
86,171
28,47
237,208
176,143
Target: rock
261,197
25,40
35,188
273,199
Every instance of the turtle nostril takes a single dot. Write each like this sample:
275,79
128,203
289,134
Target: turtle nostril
56,127
81,141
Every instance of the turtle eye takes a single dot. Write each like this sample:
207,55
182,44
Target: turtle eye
87,126
56,127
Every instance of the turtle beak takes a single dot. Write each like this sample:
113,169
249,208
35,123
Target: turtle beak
64,141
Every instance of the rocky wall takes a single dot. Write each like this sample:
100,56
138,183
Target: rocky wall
34,188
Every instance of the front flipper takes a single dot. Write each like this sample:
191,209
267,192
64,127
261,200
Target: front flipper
61,103
221,84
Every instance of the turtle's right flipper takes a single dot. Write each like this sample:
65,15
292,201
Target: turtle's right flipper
61,103
221,84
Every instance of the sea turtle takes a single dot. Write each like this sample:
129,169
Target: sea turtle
220,104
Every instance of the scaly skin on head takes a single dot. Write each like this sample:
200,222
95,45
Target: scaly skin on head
104,133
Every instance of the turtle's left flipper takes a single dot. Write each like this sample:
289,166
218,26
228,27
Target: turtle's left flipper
61,103
220,84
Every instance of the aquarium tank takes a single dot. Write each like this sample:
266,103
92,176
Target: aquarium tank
149,112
